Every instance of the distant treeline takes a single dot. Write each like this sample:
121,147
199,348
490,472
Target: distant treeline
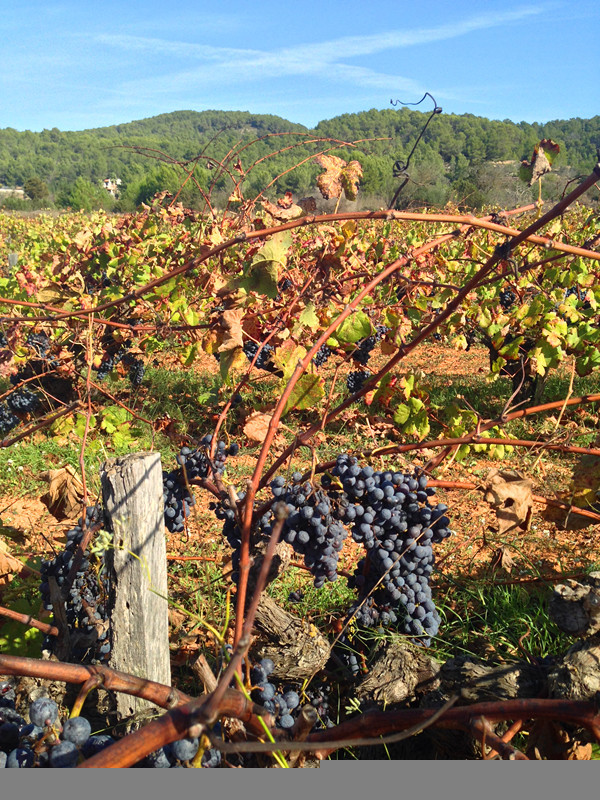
468,160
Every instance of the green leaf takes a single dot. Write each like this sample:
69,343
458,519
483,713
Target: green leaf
307,393
165,289
188,354
309,318
354,328
286,358
80,424
15,638
511,350
263,274
588,362
401,414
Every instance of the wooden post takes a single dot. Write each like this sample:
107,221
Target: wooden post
132,492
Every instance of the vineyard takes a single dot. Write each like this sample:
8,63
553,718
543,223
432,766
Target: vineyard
380,479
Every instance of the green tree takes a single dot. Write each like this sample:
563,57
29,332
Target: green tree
86,196
36,189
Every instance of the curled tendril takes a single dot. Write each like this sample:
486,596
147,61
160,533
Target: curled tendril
436,109
400,168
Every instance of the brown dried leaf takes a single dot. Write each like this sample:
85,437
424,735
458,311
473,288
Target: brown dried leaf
9,565
286,201
231,323
330,182
257,425
338,177
510,494
64,498
351,178
282,213
541,161
177,618
548,740
236,196
308,205
502,559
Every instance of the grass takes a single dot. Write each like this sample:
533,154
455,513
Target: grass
498,623
482,619
321,606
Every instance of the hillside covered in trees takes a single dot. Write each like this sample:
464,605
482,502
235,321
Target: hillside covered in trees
463,159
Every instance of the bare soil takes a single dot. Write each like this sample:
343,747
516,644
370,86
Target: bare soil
544,548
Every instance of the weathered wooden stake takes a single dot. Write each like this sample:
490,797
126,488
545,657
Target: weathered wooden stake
132,492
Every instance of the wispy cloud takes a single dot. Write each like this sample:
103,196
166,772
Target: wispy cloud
220,66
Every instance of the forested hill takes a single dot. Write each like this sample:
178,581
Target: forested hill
464,158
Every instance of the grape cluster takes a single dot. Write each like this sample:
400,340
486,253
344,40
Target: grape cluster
3,340
23,401
137,369
44,742
365,347
8,420
108,363
347,654
264,692
180,753
322,356
264,359
114,352
507,299
283,700
177,499
231,531
390,514
40,343
311,527
85,602
356,380
43,370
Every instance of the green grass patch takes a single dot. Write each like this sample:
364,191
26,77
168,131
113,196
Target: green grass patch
320,605
509,621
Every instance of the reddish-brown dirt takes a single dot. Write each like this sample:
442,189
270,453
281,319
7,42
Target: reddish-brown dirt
543,549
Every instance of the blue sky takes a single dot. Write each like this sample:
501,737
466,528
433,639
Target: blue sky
76,65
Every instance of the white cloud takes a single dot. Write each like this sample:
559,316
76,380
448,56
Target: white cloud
226,66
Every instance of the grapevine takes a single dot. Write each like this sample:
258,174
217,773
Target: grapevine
353,307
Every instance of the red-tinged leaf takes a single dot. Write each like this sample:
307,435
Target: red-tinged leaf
285,201
338,177
386,390
369,397
541,161
351,176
